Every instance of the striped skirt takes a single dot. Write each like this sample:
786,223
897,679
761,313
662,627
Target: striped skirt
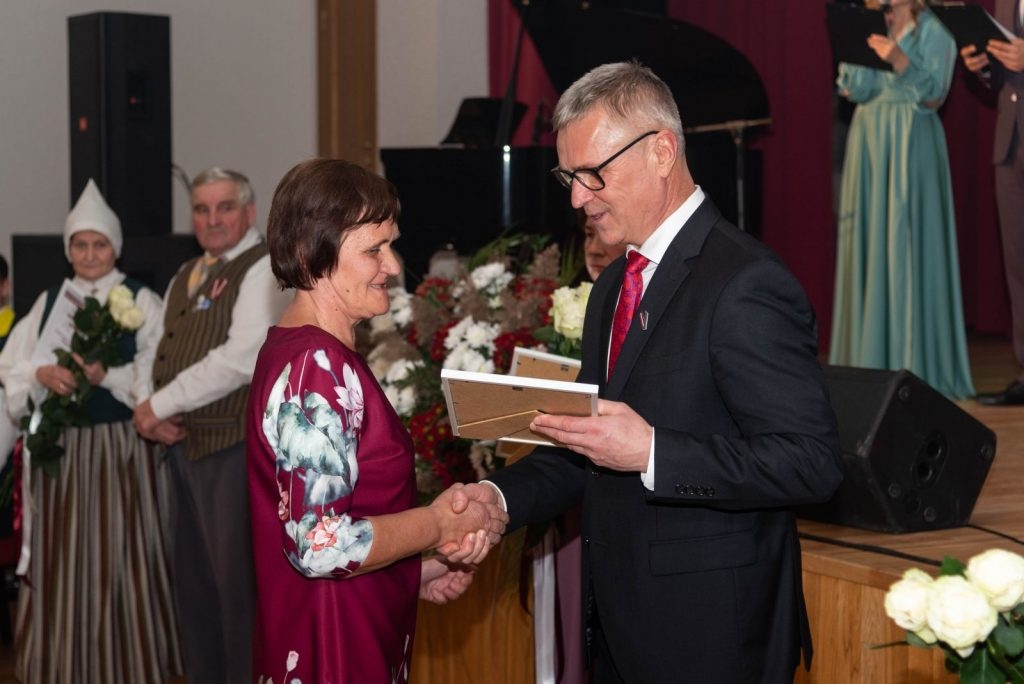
95,604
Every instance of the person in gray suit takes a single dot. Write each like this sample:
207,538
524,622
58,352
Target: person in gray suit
1000,66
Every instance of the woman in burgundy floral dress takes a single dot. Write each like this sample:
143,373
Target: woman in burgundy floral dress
336,537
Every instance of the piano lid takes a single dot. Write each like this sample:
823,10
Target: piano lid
713,83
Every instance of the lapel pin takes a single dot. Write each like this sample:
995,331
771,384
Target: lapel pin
643,320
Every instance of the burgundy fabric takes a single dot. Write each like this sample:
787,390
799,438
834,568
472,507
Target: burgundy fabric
340,628
788,46
629,302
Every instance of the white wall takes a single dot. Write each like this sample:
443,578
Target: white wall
430,55
243,90
243,84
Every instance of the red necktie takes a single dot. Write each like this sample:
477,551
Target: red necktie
629,302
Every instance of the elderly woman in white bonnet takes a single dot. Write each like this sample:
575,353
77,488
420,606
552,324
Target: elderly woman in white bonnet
94,604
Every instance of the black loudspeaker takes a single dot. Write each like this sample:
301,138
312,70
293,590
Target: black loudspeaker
119,91
913,460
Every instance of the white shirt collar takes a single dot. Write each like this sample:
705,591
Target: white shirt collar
250,238
655,246
102,285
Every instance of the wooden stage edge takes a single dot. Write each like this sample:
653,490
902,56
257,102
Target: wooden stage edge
845,587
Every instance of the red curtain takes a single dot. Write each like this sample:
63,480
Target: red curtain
788,45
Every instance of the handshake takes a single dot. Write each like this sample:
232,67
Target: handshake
470,520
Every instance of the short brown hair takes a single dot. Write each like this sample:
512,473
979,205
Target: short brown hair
316,204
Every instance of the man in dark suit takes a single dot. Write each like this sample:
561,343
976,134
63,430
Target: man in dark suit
1006,73
714,420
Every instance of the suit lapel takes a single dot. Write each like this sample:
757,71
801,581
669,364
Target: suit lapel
668,277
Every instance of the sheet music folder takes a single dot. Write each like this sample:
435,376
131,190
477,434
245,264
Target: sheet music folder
491,406
848,29
970,25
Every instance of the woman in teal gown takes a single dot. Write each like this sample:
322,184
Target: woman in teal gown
897,296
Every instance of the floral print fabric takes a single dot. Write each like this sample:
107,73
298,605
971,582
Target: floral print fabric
326,451
315,438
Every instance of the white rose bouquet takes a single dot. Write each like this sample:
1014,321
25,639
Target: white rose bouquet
974,612
568,308
97,337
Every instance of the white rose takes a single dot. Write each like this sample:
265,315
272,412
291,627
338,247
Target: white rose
120,296
999,575
959,614
131,318
907,600
568,309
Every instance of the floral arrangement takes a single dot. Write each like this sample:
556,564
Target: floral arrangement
973,612
98,330
506,296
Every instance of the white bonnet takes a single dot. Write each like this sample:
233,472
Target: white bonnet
91,212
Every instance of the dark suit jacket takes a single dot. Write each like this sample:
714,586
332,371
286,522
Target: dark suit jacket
699,580
1010,112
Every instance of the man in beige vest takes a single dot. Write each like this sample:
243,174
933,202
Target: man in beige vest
216,314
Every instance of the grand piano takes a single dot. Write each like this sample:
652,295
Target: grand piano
464,197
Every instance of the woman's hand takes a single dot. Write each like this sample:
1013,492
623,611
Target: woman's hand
57,379
94,372
889,51
441,582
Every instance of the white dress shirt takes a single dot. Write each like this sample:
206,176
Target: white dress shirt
654,249
130,383
229,366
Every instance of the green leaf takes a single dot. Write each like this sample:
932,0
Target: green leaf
979,668
917,641
1010,639
952,566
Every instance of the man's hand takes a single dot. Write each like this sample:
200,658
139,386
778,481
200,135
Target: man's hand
441,581
145,420
168,432
974,61
1010,54
617,438
471,522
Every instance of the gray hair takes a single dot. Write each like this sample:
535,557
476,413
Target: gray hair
215,174
629,91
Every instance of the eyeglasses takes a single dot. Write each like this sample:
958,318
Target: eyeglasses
591,178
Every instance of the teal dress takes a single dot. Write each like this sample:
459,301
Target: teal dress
897,295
